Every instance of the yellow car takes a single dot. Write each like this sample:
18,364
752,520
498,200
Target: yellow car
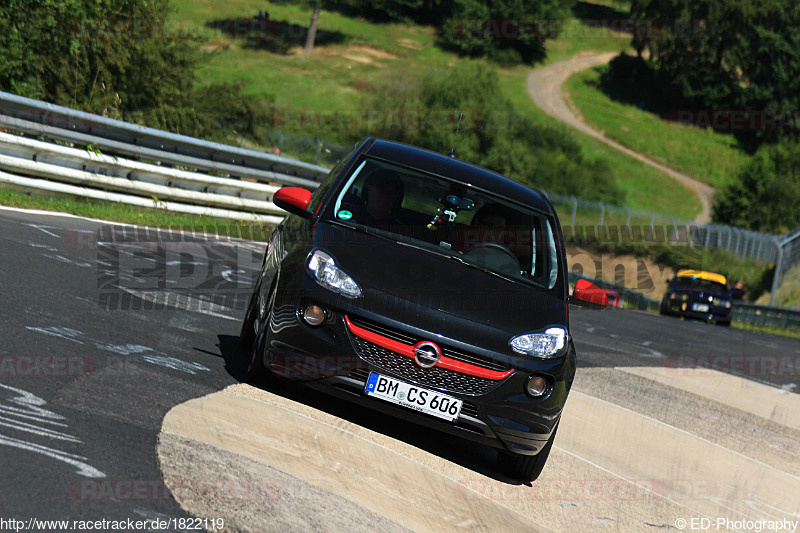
698,294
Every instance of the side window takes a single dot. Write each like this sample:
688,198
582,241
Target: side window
319,194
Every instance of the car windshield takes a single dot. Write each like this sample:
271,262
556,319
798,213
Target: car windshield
698,284
450,218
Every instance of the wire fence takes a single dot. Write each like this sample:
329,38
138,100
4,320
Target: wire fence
621,223
308,149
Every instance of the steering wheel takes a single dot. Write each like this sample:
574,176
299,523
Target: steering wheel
493,248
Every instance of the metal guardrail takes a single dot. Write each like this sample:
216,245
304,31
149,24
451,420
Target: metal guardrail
61,123
742,312
761,315
33,165
131,164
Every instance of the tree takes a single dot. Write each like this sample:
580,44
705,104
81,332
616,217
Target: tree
93,55
724,55
312,28
316,6
508,31
767,192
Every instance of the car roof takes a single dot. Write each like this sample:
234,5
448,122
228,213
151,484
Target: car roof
701,274
454,169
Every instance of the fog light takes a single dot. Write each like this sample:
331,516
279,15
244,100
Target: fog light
536,386
313,315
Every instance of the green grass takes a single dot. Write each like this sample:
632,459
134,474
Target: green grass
767,329
129,214
788,293
330,79
579,37
336,76
707,156
646,188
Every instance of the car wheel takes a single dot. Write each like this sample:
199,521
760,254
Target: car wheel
256,371
248,333
526,467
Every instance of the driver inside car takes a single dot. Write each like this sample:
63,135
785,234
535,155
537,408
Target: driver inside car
489,239
379,203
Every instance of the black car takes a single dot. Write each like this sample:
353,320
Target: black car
699,294
425,288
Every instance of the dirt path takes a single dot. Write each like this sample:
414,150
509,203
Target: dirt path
544,86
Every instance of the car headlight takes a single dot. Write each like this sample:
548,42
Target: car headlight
325,272
547,344
719,302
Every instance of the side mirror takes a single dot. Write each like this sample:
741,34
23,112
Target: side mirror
589,295
294,200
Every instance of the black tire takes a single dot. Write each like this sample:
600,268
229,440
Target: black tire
525,467
256,371
248,334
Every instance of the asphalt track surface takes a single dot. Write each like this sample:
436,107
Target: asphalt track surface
99,407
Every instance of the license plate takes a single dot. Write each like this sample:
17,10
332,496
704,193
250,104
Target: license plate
700,308
413,397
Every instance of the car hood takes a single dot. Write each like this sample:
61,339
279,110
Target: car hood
413,285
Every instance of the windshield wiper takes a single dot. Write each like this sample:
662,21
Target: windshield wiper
365,229
450,255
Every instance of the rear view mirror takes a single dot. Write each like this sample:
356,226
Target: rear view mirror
589,295
294,200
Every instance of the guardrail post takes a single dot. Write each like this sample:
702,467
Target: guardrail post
652,225
602,214
319,150
738,240
574,209
628,220
777,278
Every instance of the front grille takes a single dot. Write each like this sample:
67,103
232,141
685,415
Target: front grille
405,367
458,355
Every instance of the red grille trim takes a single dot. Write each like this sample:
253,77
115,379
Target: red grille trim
408,350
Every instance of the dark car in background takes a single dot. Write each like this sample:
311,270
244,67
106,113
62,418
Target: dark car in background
699,294
425,288
614,299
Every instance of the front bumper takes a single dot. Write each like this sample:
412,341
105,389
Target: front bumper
495,412
685,309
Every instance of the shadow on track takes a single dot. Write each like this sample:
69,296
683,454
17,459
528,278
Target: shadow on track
466,454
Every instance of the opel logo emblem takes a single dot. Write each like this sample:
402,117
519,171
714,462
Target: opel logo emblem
426,354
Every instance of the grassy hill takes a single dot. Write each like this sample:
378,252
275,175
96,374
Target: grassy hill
708,156
353,53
